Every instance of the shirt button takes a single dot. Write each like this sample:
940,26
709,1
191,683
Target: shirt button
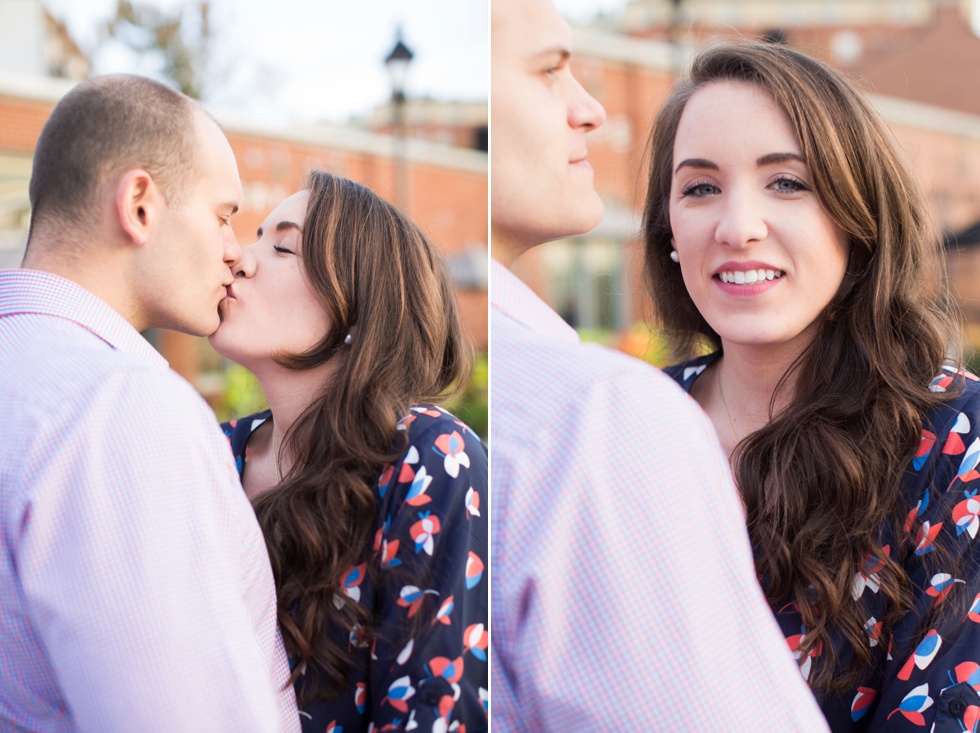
431,697
432,691
957,708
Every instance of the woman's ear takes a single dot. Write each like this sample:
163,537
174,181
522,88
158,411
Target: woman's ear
137,201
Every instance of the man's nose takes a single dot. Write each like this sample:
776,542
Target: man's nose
232,249
584,110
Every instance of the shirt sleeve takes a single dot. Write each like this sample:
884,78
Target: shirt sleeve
933,677
144,567
624,590
433,547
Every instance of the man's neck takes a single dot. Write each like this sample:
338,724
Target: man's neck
505,249
104,277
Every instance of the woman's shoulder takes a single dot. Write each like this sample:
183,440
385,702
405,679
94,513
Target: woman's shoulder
962,407
964,384
943,476
240,430
441,451
425,423
686,373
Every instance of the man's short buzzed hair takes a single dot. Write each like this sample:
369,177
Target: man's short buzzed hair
99,130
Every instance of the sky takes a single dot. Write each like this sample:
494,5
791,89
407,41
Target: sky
284,61
583,10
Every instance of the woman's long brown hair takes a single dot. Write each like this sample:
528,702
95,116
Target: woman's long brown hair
823,478
382,282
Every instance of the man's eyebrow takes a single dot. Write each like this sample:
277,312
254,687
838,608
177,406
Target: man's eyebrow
561,51
282,227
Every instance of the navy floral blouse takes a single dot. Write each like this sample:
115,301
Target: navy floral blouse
431,545
930,678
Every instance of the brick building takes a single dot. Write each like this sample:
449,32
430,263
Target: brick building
465,124
626,62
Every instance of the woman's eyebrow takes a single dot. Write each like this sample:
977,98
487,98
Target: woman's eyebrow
696,163
282,226
768,159
779,158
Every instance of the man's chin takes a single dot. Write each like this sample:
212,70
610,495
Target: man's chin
592,211
214,323
217,327
208,328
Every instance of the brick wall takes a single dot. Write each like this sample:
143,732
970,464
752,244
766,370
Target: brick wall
20,124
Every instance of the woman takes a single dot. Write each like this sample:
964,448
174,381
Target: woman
783,230
368,494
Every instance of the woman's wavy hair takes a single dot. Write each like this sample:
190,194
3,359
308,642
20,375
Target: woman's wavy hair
824,476
381,281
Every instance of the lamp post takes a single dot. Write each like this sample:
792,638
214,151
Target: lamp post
674,37
397,64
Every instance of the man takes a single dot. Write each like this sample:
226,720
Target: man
136,588
624,595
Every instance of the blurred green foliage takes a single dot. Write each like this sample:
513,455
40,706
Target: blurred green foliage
639,341
601,336
243,396
472,405
971,357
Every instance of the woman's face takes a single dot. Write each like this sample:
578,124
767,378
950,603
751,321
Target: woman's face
271,307
759,255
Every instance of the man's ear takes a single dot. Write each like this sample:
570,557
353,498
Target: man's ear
137,202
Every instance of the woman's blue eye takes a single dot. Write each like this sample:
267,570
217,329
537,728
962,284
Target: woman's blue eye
789,185
700,189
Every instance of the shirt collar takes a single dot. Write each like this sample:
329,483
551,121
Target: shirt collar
32,291
515,299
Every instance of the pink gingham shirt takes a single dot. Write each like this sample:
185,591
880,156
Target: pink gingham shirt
623,594
135,588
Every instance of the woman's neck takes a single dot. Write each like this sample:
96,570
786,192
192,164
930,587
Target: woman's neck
738,390
289,394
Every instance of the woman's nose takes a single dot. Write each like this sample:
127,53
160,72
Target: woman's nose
741,222
245,267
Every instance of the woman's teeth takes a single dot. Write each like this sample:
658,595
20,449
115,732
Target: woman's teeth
738,277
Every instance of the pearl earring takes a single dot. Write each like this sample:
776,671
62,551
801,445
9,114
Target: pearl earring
348,339
673,256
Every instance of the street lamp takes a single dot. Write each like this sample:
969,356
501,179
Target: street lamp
674,38
397,64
